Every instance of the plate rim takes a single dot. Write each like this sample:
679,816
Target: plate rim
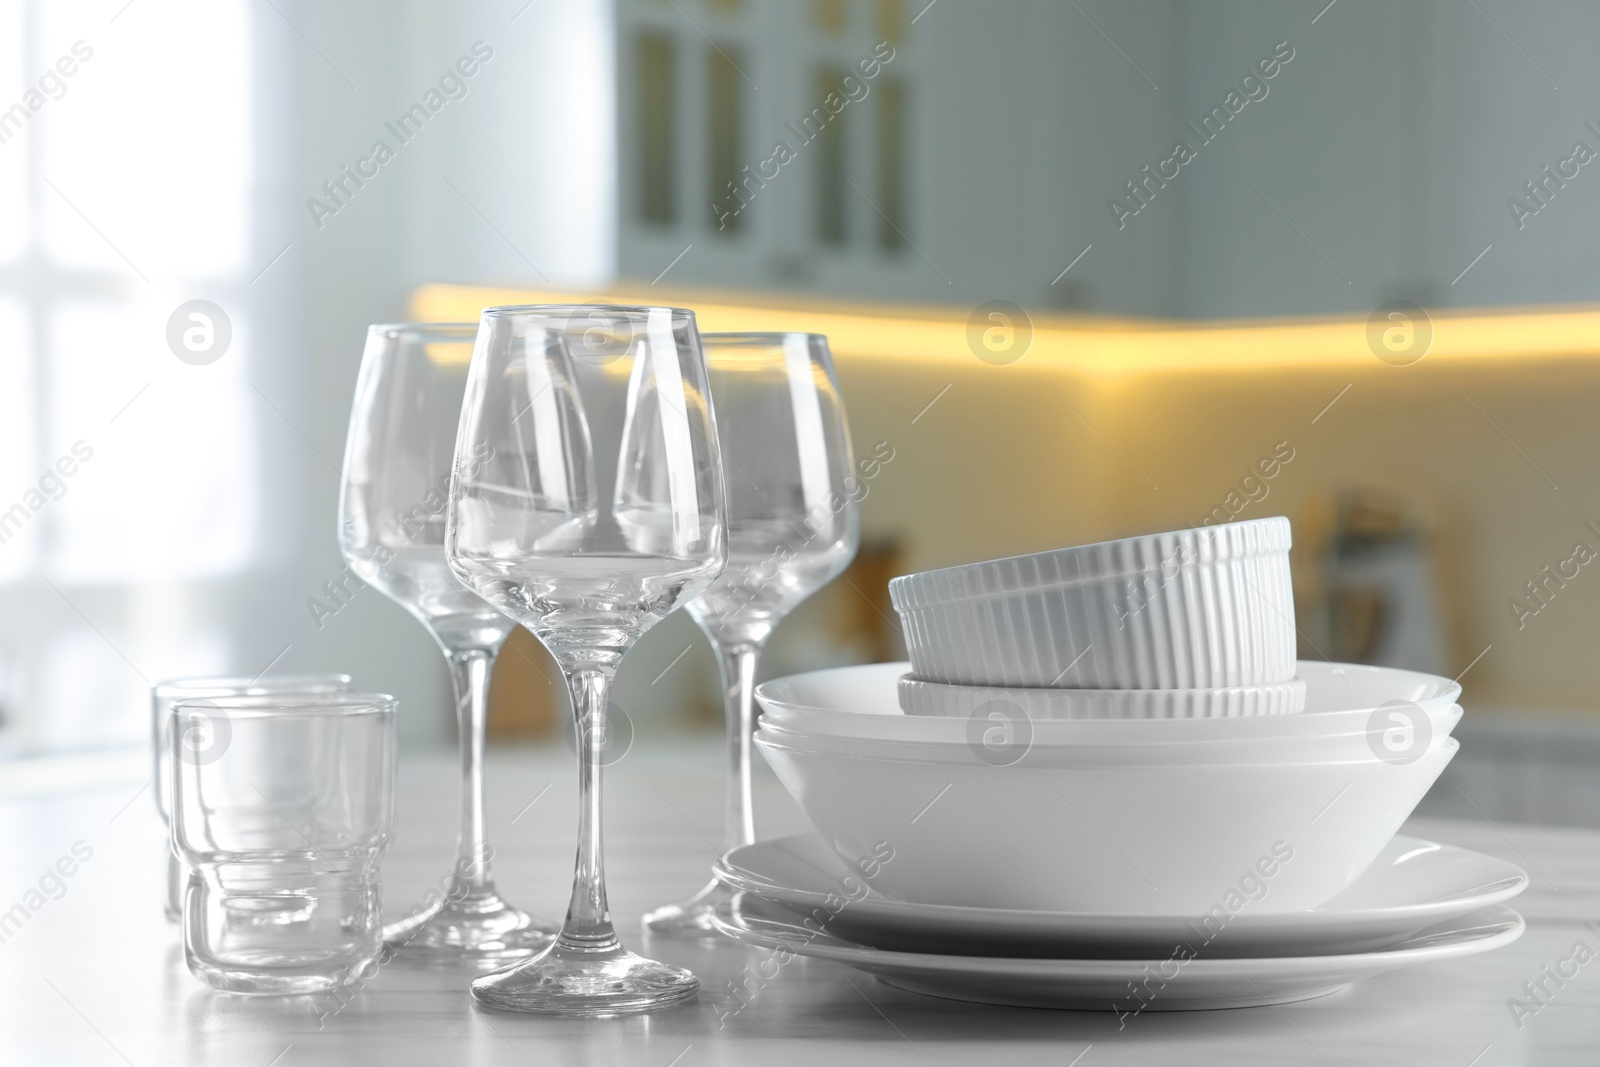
1483,895
870,959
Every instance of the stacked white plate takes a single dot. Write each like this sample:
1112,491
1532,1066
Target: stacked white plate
1209,825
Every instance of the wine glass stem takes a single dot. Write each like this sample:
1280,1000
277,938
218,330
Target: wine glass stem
588,923
738,667
469,673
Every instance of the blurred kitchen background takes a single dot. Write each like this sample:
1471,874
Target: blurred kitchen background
1060,324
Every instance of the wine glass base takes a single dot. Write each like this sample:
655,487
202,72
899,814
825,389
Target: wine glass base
692,920
575,980
483,928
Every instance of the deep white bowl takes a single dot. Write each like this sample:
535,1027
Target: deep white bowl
1151,839
940,699
864,702
1203,608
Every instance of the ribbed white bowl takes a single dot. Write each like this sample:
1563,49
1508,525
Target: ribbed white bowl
1205,608
940,700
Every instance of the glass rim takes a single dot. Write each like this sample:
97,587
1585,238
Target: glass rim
620,311
393,329
343,704
239,684
734,337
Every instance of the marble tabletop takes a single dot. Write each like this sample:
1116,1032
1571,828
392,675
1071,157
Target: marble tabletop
96,975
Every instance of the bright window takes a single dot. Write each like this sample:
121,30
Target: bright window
129,479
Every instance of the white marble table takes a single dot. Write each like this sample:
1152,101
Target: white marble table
96,976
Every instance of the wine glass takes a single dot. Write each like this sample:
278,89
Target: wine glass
392,507
793,525
587,503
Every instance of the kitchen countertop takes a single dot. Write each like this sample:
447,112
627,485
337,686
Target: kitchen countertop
96,975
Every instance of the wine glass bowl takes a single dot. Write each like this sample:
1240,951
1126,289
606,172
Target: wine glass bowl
584,383
793,525
399,459
596,509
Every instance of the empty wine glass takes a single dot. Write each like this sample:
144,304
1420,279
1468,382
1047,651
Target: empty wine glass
587,504
793,525
392,508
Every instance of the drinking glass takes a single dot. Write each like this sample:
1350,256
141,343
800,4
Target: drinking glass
397,464
163,695
793,525
283,805
587,504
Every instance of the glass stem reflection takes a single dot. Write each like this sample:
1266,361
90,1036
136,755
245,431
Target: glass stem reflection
469,673
588,924
738,668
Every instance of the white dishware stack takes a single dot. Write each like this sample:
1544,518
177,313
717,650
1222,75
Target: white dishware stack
1104,781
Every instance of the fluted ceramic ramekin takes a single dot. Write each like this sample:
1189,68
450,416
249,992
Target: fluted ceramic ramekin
1204,608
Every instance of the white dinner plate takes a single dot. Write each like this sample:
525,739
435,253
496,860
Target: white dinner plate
1170,982
1413,884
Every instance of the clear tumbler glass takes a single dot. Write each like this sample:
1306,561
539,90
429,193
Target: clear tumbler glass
163,695
282,806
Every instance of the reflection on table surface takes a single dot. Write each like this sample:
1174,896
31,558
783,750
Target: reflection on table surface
70,1001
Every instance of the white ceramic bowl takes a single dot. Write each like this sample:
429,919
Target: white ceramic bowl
1204,608
1155,839
918,697
863,702
1007,741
